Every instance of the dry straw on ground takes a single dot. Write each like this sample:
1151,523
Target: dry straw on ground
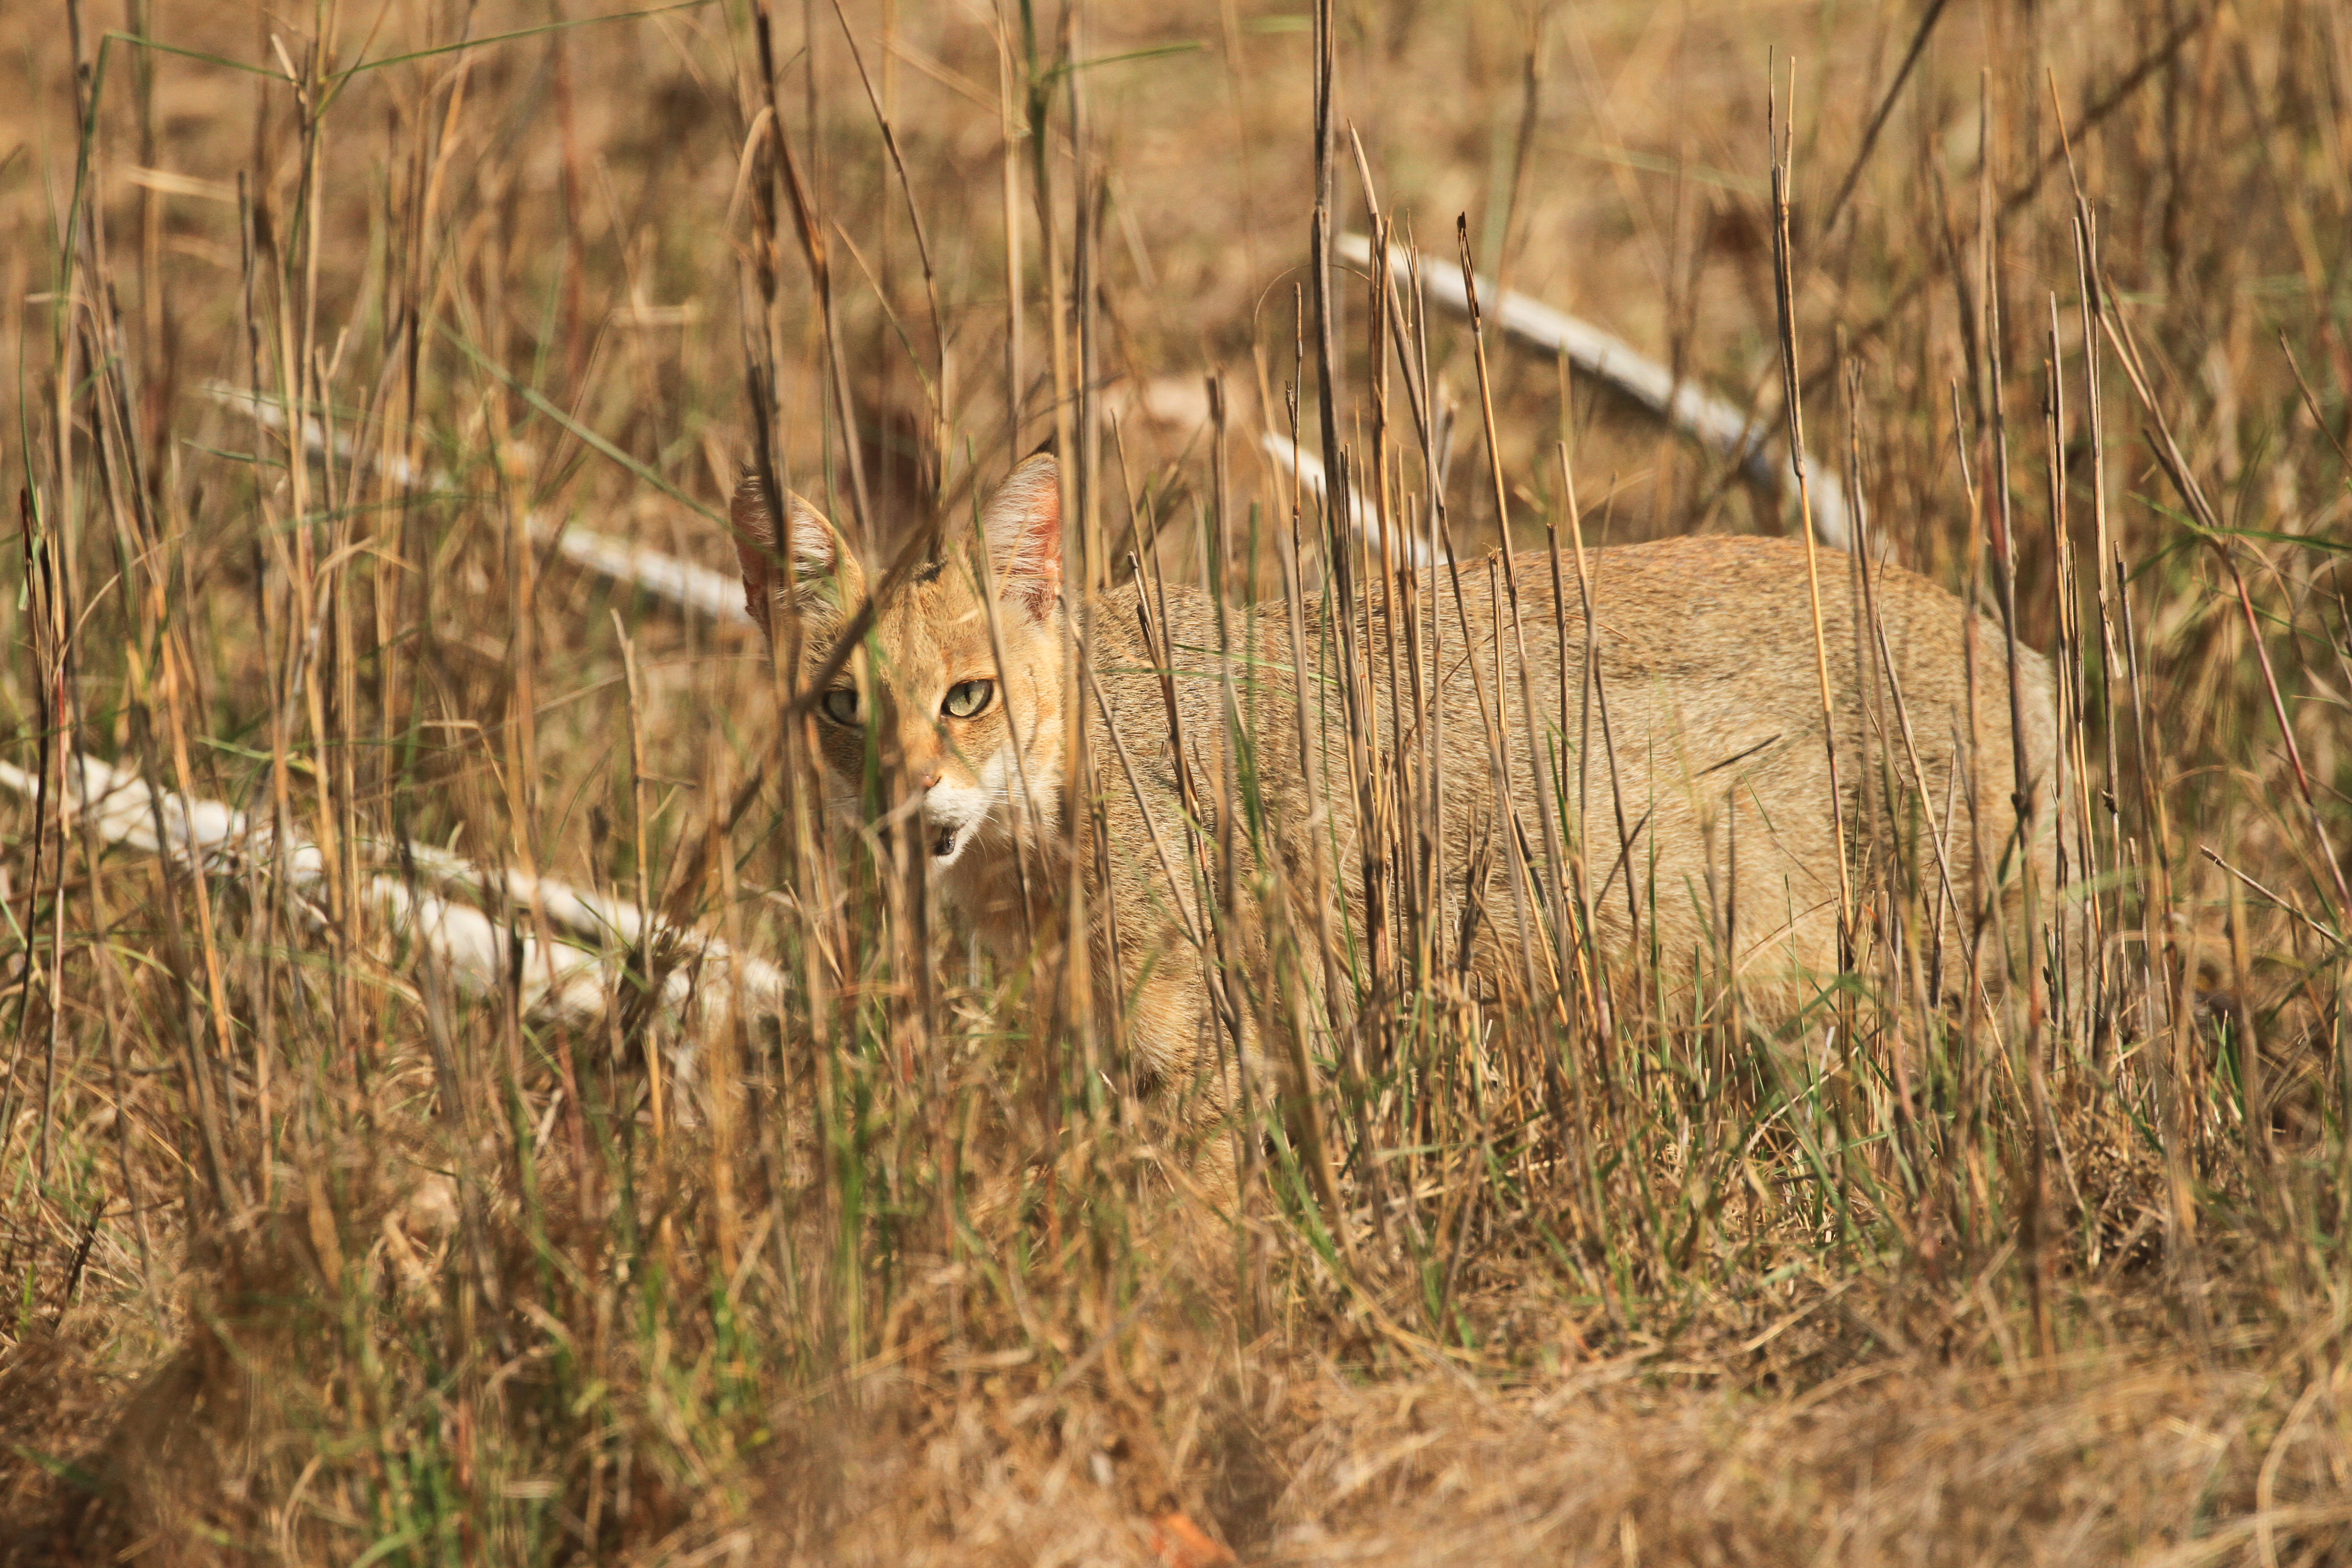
717,1203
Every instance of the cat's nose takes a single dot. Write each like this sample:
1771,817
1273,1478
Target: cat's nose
928,776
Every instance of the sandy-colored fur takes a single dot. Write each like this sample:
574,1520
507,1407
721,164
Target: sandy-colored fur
1696,756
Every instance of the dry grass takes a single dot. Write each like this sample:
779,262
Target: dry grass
312,1253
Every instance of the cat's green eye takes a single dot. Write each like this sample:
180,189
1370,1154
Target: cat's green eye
969,698
840,705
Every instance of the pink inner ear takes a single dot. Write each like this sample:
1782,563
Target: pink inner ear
811,543
811,552
755,543
1023,524
1036,575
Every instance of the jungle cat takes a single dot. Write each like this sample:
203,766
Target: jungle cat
1697,756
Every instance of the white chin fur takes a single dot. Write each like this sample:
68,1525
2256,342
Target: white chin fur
952,817
967,811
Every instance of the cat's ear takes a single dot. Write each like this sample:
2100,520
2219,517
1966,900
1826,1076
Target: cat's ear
808,559
1021,525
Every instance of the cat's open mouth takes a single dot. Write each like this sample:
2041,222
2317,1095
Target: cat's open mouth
944,845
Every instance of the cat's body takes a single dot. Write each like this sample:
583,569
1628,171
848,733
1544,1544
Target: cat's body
1692,772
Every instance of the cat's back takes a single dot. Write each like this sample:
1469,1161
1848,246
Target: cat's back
1727,619
1711,602
1741,612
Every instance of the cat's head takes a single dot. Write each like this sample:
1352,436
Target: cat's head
931,704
